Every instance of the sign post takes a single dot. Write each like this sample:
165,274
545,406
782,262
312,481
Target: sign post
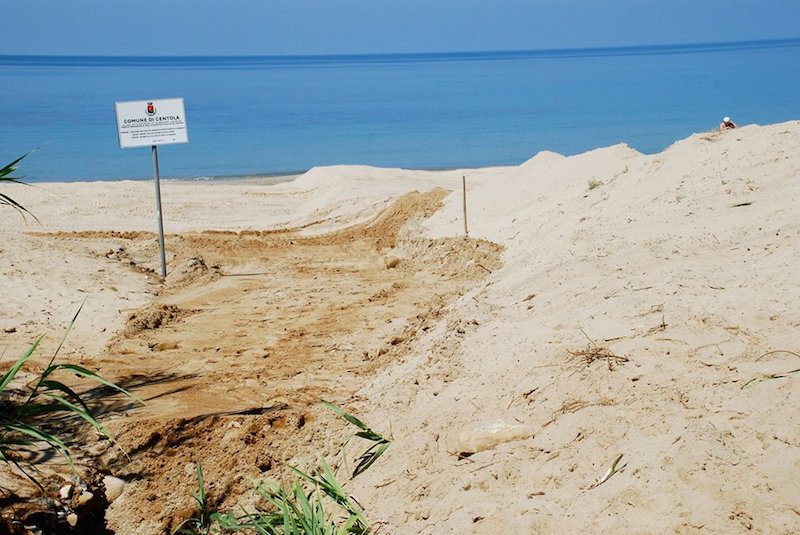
142,123
154,150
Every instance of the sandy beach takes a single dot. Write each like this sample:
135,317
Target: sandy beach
604,304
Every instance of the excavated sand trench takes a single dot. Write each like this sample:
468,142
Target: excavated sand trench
250,330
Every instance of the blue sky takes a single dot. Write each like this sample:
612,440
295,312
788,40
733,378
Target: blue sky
245,27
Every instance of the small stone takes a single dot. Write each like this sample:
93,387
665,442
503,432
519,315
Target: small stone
65,492
72,519
114,487
10,330
391,262
85,497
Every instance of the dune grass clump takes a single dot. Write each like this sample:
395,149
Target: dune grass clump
4,177
325,509
315,504
593,183
29,414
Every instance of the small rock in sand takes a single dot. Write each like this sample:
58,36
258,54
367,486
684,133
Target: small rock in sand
391,262
114,487
65,492
85,497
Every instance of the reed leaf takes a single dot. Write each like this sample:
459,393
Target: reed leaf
4,177
89,374
12,372
24,424
295,510
76,410
39,435
346,415
379,446
48,370
51,385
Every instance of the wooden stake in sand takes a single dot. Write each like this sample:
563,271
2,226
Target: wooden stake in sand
464,190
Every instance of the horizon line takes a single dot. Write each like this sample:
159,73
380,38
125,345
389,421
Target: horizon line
685,47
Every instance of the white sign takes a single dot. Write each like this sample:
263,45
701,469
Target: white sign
146,123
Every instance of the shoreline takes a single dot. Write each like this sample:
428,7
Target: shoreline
268,178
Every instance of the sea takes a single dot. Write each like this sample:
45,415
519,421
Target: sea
281,115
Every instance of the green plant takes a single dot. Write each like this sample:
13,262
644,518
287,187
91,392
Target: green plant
296,511
28,413
379,442
299,513
594,184
203,522
317,504
5,199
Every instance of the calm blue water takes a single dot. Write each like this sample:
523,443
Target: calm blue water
259,115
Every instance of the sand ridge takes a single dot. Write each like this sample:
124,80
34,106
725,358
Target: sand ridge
684,262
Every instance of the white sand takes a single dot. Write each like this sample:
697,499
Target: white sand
658,240
656,262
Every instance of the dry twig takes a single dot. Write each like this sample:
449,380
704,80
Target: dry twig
777,351
767,376
598,353
610,472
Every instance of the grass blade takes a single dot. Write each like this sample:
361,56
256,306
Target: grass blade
88,374
368,458
10,168
5,199
379,446
61,387
9,375
75,409
55,354
346,415
40,436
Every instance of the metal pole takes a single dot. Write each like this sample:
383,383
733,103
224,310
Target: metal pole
464,188
158,214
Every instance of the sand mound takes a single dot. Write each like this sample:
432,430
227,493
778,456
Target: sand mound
682,263
153,317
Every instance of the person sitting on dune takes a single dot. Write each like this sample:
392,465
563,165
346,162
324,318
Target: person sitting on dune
727,124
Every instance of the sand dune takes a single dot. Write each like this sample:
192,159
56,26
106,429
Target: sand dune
609,303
